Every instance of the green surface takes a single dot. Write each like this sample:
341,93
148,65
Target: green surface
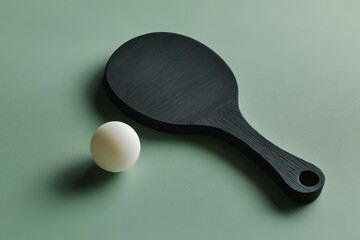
298,69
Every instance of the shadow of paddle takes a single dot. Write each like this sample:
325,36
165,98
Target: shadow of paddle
246,166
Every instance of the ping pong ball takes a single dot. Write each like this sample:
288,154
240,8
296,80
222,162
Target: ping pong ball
115,146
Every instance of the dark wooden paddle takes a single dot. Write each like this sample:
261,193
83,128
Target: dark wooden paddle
174,83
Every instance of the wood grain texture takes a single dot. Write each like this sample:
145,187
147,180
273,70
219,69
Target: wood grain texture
285,168
174,83
161,76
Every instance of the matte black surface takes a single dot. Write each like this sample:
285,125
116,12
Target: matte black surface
173,83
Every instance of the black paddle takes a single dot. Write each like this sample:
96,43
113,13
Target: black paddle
174,83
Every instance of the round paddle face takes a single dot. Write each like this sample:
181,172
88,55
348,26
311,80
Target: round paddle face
174,83
169,78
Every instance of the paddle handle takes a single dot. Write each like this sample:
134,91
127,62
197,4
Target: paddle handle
300,180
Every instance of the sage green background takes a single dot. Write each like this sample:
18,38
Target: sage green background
297,64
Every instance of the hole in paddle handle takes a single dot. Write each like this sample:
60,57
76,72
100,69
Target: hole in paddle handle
308,178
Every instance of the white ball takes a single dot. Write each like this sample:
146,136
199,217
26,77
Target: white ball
115,146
